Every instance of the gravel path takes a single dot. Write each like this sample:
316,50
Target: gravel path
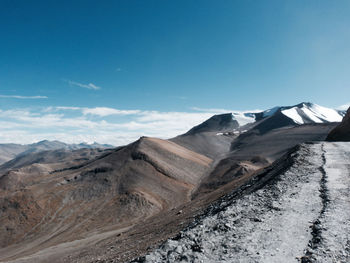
335,222
304,216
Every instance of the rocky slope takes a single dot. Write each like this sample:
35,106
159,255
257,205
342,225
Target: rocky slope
300,215
342,131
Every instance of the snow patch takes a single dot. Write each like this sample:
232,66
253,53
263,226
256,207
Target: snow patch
327,114
314,112
294,115
311,115
243,118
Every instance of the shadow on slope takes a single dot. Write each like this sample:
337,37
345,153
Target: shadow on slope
342,131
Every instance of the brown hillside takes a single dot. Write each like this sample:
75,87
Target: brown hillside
111,192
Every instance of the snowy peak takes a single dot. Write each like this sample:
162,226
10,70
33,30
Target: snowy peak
288,116
273,118
303,113
306,112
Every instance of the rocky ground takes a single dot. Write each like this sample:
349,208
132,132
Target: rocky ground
302,215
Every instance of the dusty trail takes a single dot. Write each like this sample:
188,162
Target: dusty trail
334,245
301,216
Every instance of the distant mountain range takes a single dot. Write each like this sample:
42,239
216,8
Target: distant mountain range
306,112
9,151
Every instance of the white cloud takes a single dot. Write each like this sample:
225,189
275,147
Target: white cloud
104,111
97,111
22,97
57,123
65,108
86,86
344,107
177,117
218,111
211,110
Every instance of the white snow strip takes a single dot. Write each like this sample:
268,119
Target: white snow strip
243,118
324,113
294,115
311,115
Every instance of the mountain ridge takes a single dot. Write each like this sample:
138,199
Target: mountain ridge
9,151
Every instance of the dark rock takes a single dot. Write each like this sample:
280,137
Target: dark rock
342,131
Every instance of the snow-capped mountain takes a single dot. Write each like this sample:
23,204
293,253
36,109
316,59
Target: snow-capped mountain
302,113
264,121
312,113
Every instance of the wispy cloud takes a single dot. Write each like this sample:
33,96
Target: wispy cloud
98,111
81,85
344,107
118,69
104,111
64,108
217,111
22,97
211,110
179,97
74,124
89,125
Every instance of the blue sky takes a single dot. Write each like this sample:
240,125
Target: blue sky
125,59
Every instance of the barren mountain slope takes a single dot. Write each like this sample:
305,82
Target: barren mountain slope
252,151
110,193
9,151
341,132
220,122
241,150
56,159
203,138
